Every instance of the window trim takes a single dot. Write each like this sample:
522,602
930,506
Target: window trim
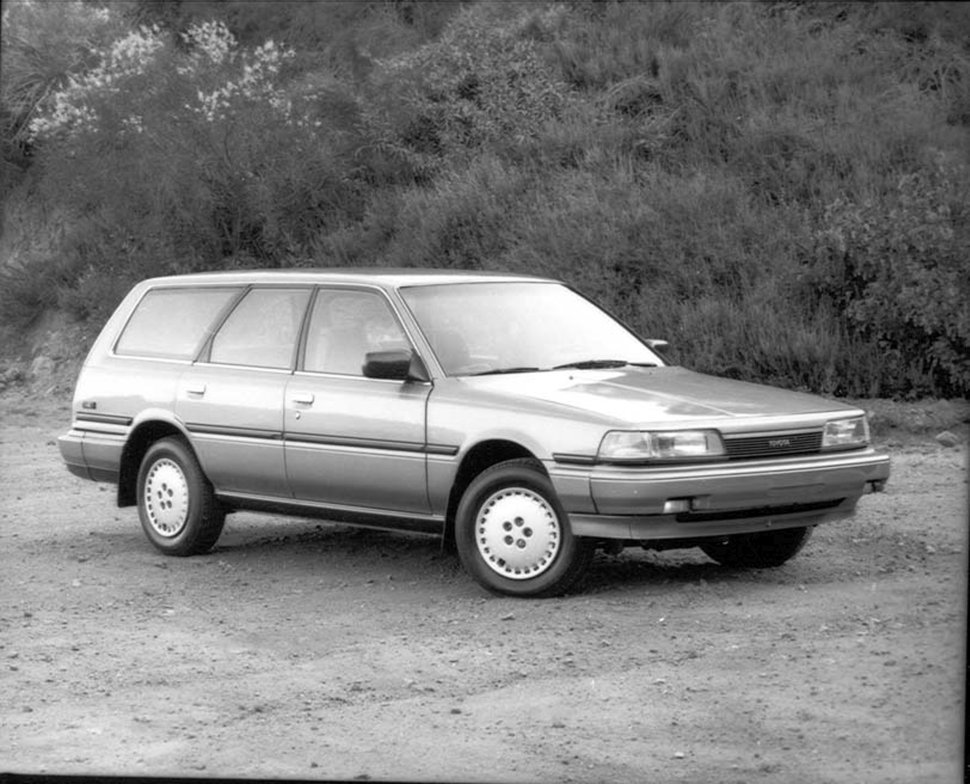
402,290
382,294
204,356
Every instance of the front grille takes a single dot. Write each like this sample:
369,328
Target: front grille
773,445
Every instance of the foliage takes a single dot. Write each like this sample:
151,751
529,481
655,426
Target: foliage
482,83
211,159
778,188
338,33
897,272
41,46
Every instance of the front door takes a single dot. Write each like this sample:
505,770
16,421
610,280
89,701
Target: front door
354,442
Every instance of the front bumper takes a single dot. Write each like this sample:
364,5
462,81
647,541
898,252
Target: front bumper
716,499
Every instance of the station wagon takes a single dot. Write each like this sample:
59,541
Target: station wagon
508,414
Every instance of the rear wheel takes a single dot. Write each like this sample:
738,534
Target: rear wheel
513,535
760,550
178,510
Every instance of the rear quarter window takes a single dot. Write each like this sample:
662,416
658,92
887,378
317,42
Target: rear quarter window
173,323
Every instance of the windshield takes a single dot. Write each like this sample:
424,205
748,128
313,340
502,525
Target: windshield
481,328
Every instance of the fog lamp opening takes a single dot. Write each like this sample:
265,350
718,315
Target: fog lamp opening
676,505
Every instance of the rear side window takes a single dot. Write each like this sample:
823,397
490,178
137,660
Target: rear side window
172,323
262,330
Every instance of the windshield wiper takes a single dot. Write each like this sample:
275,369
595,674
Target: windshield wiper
501,371
594,364
585,364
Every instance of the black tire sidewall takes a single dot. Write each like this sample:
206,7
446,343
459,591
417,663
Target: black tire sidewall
196,535
570,560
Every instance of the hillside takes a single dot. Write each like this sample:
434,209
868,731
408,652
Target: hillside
779,189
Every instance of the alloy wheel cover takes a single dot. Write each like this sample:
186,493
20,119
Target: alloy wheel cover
518,533
166,498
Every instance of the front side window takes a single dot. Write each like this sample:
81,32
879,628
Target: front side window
173,323
345,325
262,330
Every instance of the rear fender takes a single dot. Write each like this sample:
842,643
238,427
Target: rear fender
150,429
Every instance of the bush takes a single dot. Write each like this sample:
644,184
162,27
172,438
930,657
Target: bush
172,159
482,83
27,289
897,272
42,45
755,182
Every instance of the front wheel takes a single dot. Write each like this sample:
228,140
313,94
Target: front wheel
177,508
761,550
513,535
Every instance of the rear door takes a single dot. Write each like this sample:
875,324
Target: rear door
231,400
355,442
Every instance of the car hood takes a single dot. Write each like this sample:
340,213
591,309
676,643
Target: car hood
640,396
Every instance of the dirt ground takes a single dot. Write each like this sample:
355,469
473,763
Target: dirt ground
304,650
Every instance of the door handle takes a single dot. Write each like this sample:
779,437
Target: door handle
198,390
303,398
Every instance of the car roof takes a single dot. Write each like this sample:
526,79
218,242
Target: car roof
381,276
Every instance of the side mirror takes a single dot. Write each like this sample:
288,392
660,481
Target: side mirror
659,347
395,365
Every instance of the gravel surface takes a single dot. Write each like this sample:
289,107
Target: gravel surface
305,650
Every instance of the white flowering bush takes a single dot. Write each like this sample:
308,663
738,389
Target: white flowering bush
42,44
74,108
234,76
174,155
220,81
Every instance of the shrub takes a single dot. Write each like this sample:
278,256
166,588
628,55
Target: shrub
897,271
463,221
27,289
755,182
172,159
42,45
614,42
483,82
768,335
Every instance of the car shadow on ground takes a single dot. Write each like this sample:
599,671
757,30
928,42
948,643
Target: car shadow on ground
418,558
307,547
634,568
326,540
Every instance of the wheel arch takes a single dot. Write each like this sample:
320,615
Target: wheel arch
141,438
480,457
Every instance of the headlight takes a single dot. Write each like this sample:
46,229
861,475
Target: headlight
846,433
636,446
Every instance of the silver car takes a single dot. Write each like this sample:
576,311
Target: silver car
507,413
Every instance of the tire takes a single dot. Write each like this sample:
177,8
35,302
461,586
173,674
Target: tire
513,535
177,508
761,550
